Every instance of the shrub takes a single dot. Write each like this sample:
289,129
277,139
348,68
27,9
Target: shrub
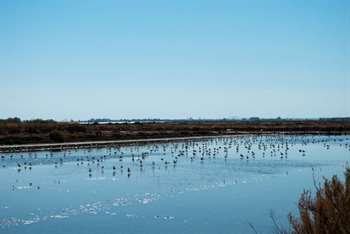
11,120
56,136
327,212
74,128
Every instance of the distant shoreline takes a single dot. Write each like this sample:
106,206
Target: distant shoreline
97,144
93,144
36,135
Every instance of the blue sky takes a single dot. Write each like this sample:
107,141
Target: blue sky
174,59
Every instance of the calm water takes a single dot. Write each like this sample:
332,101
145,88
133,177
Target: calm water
204,186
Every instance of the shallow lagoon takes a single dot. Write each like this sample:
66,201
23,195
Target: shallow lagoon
216,185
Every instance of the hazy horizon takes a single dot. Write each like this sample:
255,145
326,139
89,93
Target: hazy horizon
175,119
79,60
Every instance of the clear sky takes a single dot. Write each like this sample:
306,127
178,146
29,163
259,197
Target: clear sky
174,59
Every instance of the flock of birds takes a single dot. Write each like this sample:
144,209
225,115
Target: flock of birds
137,157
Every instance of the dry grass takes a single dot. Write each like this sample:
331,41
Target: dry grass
326,213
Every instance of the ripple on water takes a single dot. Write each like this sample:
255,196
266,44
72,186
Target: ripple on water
209,175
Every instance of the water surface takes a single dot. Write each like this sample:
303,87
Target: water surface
217,185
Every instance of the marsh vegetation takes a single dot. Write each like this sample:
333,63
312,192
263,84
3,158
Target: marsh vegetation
15,131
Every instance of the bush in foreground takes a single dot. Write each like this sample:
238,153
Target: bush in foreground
326,213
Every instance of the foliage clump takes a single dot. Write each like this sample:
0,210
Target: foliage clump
326,213
56,136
